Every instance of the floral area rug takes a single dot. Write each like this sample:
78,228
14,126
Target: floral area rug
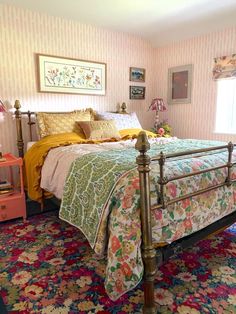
47,266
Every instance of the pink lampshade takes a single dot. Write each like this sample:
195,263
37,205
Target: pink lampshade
2,107
157,105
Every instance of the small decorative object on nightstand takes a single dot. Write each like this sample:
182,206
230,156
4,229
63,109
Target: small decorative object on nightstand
12,199
164,129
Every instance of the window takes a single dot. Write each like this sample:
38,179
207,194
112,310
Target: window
226,106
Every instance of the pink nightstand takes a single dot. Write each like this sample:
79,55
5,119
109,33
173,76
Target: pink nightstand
12,205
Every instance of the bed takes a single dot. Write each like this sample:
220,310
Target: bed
189,193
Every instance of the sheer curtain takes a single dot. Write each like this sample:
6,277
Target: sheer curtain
226,106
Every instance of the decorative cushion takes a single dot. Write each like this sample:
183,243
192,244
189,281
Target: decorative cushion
123,121
49,123
92,113
99,130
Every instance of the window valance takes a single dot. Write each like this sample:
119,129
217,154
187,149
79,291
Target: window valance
224,67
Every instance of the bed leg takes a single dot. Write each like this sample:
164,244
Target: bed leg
148,250
150,306
42,202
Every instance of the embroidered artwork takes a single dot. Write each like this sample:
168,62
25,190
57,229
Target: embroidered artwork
62,75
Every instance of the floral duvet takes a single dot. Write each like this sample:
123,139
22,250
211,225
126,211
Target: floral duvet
101,198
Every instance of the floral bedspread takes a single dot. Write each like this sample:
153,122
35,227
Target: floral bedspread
124,262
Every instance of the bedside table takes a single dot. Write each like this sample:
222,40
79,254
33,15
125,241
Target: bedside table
12,205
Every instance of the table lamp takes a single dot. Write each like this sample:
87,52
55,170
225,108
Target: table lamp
2,107
157,104
1,157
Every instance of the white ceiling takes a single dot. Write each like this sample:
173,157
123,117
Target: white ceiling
160,21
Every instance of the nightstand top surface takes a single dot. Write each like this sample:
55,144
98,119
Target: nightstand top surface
11,160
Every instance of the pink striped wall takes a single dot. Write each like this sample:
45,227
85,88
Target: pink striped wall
24,33
195,120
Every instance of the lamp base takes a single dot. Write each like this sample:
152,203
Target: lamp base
156,122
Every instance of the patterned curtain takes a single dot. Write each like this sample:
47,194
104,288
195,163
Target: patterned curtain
224,67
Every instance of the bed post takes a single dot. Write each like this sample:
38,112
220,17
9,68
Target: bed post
148,251
229,163
20,142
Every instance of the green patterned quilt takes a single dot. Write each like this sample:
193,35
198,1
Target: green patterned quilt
105,185
92,178
89,184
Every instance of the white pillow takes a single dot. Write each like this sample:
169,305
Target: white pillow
122,120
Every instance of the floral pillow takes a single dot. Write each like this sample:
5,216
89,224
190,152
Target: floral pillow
49,123
122,120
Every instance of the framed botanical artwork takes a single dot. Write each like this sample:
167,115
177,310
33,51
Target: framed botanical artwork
64,75
137,92
136,74
180,84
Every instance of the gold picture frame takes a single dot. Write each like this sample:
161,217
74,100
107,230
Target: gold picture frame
70,76
137,74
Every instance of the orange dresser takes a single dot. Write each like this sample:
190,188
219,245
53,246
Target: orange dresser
12,204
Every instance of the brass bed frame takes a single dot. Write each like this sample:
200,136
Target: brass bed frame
154,255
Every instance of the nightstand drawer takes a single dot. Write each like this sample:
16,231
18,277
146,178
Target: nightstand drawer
12,204
12,208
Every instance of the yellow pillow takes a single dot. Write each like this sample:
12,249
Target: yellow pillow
99,130
92,112
50,123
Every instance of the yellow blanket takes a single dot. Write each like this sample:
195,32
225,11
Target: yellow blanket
35,156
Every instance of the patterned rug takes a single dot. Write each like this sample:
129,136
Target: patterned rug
46,266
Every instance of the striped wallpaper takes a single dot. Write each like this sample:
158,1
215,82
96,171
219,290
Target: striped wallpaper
195,120
24,33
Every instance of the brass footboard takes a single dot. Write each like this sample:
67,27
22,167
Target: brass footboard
148,250
150,258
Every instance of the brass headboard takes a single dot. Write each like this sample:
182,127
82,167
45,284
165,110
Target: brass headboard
30,114
18,115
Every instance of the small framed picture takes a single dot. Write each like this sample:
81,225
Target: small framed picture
179,84
136,92
136,74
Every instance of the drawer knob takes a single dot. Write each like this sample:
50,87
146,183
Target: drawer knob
3,207
4,216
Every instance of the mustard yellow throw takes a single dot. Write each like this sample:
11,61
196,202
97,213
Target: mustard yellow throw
35,156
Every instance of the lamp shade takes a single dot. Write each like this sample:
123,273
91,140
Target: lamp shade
2,107
157,105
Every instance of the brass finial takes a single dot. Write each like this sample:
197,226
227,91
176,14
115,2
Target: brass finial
123,108
142,144
17,105
230,146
